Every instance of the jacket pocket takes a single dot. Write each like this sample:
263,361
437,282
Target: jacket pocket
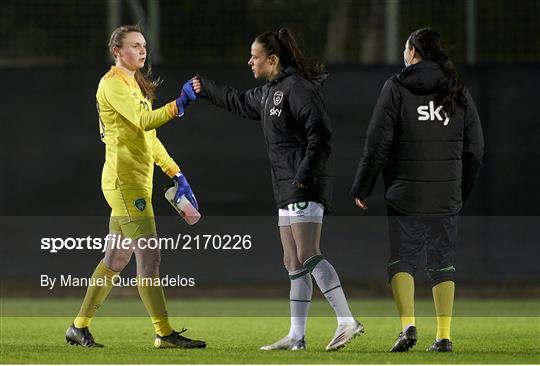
285,168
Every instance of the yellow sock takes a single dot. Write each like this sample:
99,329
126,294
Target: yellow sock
443,295
154,301
403,290
95,295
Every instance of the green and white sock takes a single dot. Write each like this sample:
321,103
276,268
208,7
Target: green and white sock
300,297
327,279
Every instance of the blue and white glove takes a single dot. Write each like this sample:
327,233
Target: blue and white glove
187,96
183,189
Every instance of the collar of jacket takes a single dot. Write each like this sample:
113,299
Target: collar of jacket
423,77
282,75
318,81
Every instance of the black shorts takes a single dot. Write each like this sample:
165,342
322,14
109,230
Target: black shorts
412,236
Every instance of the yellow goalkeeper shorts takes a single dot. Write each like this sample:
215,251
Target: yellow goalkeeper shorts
132,214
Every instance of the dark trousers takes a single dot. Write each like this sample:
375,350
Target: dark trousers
412,236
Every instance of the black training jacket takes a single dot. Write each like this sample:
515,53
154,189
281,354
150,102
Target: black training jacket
429,161
296,128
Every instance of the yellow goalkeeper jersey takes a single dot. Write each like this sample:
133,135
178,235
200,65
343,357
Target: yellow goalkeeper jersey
128,129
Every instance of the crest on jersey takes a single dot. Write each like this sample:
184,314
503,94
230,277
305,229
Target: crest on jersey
278,97
140,204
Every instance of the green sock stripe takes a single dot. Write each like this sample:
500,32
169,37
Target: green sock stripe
312,262
300,300
446,269
449,268
298,275
392,263
333,288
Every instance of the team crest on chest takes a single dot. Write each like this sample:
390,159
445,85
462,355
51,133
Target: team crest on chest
278,97
140,204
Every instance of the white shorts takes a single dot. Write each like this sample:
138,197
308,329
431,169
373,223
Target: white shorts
301,212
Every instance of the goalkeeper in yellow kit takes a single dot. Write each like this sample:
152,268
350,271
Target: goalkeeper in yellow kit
128,129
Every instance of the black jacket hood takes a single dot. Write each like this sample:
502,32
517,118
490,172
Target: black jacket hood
425,77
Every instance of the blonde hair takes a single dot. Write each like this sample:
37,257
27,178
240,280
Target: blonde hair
143,78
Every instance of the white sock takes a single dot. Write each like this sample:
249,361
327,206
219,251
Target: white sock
328,281
300,296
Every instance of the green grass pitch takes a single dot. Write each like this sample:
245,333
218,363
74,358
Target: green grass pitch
32,331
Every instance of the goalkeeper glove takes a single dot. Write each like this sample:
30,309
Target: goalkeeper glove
187,96
183,189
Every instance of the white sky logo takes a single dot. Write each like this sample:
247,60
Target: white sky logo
429,113
275,112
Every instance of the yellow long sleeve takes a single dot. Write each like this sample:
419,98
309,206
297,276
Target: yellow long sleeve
163,160
128,104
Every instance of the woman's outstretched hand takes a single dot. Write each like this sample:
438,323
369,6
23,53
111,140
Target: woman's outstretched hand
197,85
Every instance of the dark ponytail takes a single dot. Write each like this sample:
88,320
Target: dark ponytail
283,44
427,43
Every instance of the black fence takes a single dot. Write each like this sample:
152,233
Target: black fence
220,32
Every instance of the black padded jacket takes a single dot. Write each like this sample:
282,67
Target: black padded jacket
297,131
429,160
